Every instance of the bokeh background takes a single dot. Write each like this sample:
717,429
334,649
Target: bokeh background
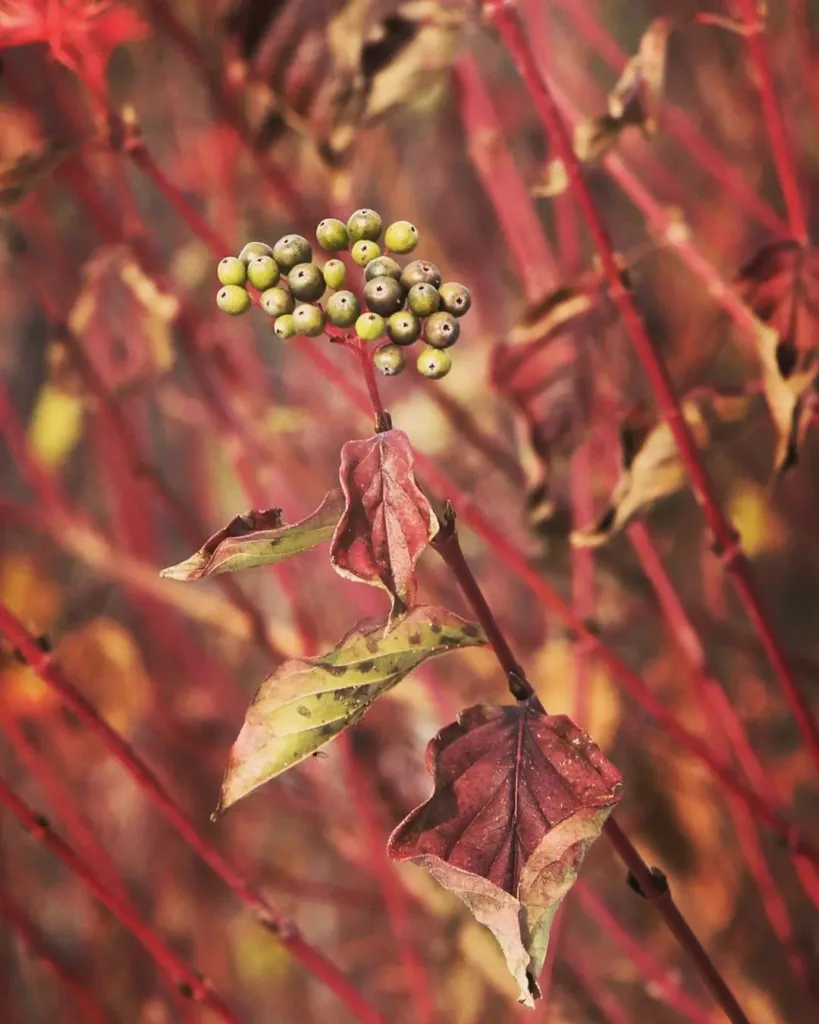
136,420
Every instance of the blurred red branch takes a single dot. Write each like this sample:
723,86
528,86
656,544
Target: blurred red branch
93,1013
199,989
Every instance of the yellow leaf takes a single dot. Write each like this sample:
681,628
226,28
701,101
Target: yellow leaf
56,424
758,526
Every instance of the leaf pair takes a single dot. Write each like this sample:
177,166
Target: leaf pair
651,464
634,102
519,797
781,285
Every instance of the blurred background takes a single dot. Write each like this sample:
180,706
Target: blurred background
140,143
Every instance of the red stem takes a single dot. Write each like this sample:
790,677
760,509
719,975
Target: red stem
268,915
179,972
368,370
93,1013
780,148
511,31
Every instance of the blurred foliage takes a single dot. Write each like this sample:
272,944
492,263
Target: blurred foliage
92,331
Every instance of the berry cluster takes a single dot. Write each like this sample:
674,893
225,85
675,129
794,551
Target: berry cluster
404,303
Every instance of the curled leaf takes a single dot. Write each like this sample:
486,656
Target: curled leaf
260,538
306,702
519,797
387,520
636,97
651,464
781,285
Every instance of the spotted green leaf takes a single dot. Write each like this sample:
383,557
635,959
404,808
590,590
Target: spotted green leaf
306,702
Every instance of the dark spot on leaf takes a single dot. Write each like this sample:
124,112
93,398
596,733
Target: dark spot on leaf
435,627
415,639
335,670
345,692
372,645
276,540
304,711
470,629
366,666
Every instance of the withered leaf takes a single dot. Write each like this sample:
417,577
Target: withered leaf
781,285
651,464
260,538
636,97
387,520
22,175
519,797
306,702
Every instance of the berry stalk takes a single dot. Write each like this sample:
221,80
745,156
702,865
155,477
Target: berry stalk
510,29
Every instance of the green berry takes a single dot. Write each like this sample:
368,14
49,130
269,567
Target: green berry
231,270
384,295
276,302
263,272
342,309
332,234
441,330
335,274
369,326
309,320
364,252
253,249
306,282
364,224
285,327
390,360
434,363
420,272
292,250
404,328
401,237
382,266
455,298
423,299
233,299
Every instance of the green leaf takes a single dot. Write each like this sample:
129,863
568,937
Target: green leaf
306,702
259,538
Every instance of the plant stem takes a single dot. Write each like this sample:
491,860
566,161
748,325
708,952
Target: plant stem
448,546
780,149
660,894
511,31
164,958
267,914
368,370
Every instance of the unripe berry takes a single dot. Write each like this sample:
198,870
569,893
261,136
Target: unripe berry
364,224
309,320
384,295
263,272
423,299
420,272
455,298
231,270
369,326
276,302
233,299
434,363
285,327
390,360
404,328
365,251
331,234
401,237
253,249
342,309
441,330
335,274
306,282
382,266
292,250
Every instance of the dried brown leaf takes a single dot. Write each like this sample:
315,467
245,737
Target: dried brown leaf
637,96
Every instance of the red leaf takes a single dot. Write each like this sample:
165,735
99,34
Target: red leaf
519,797
387,520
